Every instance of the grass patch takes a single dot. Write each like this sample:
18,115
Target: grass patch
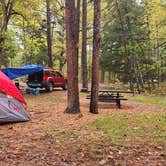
46,97
156,96
156,100
124,127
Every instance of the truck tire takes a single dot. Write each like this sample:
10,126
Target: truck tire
65,86
49,87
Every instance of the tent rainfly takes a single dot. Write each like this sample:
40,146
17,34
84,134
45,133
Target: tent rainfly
14,73
12,103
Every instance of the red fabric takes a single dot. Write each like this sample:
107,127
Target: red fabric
8,87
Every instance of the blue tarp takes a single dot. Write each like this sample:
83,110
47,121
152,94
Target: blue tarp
13,73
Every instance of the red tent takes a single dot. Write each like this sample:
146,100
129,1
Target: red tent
8,87
12,103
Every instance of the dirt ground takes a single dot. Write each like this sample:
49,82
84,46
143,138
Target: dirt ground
58,139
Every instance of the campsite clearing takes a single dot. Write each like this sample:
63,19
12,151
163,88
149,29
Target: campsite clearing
133,135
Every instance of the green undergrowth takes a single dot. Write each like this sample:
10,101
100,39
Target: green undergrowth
156,95
126,128
148,99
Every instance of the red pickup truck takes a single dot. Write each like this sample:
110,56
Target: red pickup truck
47,78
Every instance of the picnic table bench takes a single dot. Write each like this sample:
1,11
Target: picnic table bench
111,96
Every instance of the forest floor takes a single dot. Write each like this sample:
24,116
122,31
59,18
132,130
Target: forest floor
133,135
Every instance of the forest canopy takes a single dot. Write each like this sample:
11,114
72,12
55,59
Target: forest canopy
133,38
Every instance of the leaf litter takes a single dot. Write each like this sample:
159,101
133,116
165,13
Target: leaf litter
55,138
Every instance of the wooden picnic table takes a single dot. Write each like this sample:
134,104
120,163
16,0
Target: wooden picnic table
114,92
111,96
117,91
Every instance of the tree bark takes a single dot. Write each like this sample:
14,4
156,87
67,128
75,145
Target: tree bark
84,44
1,51
61,62
77,33
95,60
7,8
135,67
49,36
102,75
73,105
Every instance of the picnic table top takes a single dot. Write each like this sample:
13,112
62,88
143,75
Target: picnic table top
115,91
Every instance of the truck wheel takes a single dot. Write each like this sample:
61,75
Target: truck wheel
65,86
49,87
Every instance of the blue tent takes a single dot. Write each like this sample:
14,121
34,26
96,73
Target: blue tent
13,73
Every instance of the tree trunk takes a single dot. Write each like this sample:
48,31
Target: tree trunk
24,43
158,55
84,44
124,40
102,75
1,51
73,105
135,67
62,61
49,36
77,33
6,8
109,76
95,60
